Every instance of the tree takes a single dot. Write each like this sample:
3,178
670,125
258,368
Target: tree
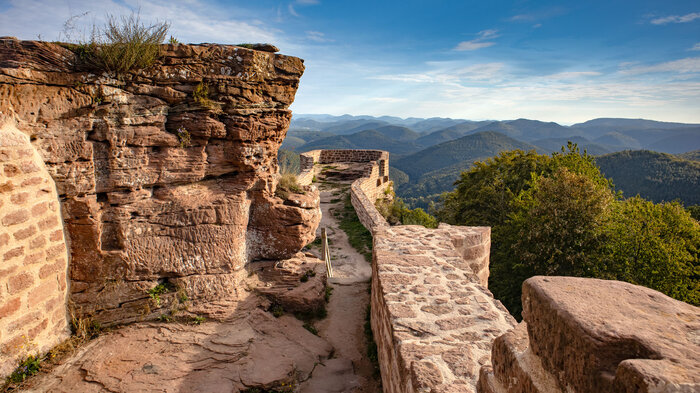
558,215
654,245
555,229
483,194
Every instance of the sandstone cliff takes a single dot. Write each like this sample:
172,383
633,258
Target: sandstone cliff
166,175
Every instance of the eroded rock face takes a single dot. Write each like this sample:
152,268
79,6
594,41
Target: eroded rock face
155,185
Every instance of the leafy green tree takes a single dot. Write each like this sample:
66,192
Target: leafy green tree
555,229
654,245
484,193
558,215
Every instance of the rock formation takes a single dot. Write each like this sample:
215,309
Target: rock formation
589,335
166,175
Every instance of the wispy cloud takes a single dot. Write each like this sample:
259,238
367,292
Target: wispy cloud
696,46
681,66
482,41
572,74
389,100
291,10
538,15
676,18
308,2
317,36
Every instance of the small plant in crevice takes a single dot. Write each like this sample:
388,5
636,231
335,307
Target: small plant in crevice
307,274
197,320
165,318
201,97
184,137
155,292
288,183
28,367
173,40
311,328
327,294
277,310
84,328
372,353
307,316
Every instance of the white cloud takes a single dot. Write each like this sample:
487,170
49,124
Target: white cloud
537,26
676,18
681,66
291,10
696,46
479,42
191,20
308,2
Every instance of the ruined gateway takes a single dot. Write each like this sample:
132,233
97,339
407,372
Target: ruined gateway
112,187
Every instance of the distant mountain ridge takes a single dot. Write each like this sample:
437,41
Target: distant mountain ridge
427,155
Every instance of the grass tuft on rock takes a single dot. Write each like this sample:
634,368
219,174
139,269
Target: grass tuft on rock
124,44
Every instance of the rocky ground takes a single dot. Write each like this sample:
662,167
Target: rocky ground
253,342
350,370
258,343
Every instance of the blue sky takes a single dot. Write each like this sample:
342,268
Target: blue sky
551,61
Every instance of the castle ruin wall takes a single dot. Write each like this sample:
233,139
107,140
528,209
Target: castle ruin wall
33,254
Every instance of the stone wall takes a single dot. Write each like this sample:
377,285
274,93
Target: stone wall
433,318
158,186
589,335
33,252
373,183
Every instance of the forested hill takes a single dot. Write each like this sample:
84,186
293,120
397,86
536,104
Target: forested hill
654,176
464,150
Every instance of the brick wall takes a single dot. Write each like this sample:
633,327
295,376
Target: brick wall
33,254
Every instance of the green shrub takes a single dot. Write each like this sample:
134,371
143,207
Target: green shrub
395,211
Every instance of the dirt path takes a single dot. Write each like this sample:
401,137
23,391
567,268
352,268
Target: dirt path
349,370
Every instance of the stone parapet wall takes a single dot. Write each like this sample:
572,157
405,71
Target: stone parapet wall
589,335
433,318
33,254
364,191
